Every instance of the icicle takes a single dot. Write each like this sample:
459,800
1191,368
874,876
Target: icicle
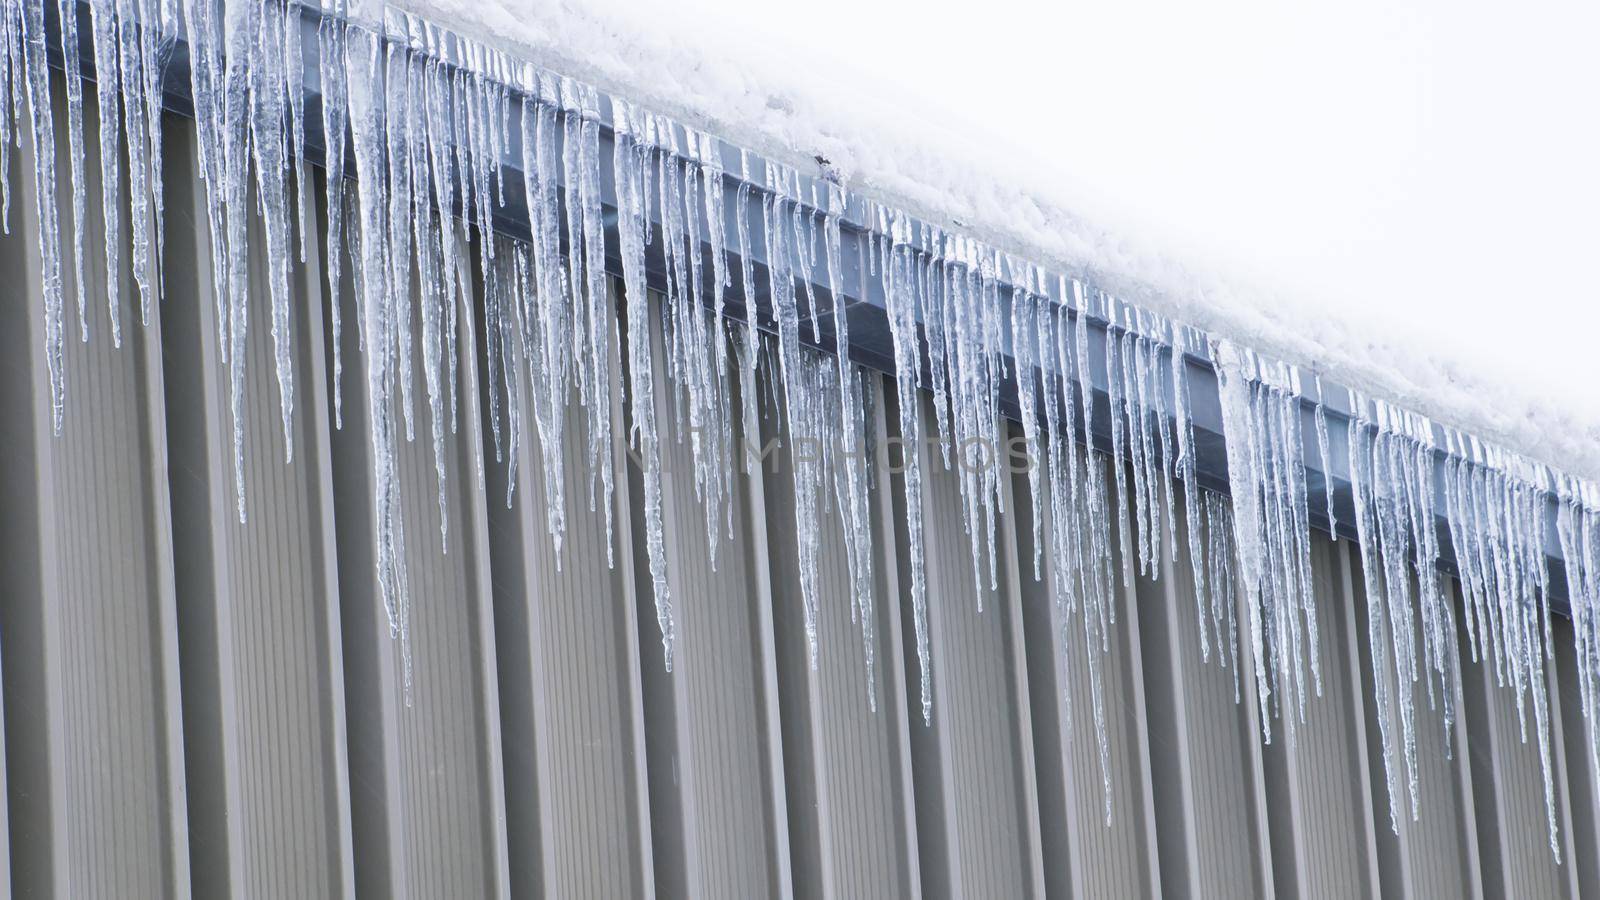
240,27
156,37
437,122
1267,478
974,329
1221,562
331,42
1300,524
858,397
940,359
1186,471
207,91
136,133
629,161
1114,392
1323,452
1070,501
1393,547
550,359
1055,448
1098,514
73,74
799,398
1244,480
1138,447
1167,471
367,114
434,301
397,121
267,142
571,177
992,428
505,289
36,73
853,482
966,376
1360,456
107,84
295,85
752,337
10,105
1022,335
901,305
691,335
599,309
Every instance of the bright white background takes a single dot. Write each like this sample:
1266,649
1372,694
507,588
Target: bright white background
1434,166
1419,174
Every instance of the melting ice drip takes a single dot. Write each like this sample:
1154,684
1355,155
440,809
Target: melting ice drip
434,121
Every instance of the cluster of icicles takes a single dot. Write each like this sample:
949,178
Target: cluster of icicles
435,122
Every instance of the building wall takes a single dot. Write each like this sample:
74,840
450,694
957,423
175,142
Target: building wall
195,706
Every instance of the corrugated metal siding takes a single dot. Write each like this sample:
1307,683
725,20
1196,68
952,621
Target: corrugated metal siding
1205,750
94,759
847,771
194,706
567,640
1322,780
263,675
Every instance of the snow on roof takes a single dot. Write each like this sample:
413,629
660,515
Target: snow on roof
1515,378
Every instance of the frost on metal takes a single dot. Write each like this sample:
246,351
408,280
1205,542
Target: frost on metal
433,125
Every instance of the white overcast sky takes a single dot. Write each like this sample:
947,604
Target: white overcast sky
1432,168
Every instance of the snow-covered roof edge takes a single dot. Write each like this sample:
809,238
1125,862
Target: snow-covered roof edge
712,96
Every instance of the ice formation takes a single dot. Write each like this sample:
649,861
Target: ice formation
438,128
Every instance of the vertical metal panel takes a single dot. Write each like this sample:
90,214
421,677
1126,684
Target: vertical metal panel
1320,795
1583,791
1086,853
25,526
718,823
1436,854
1201,742
567,641
263,678
1320,801
977,813
1508,791
1561,775
427,783
94,753
846,766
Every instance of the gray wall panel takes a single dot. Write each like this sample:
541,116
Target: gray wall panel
1321,810
1119,858
844,761
427,784
1582,798
99,774
567,643
1086,855
718,823
257,601
1204,766
1435,855
1508,790
974,764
